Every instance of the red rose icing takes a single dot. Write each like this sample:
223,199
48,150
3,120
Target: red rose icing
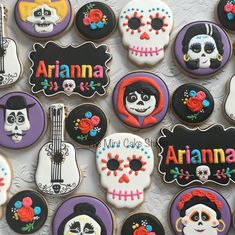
26,214
95,120
27,201
95,15
86,21
194,104
86,125
141,231
228,7
201,95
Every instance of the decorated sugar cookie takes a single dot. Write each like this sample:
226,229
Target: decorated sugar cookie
145,27
196,155
22,120
202,48
57,171
142,223
5,181
8,55
81,70
200,211
83,215
26,212
125,163
141,99
95,21
229,101
43,19
87,124
226,14
192,103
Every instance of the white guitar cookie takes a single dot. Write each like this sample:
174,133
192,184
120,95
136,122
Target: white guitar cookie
125,163
229,106
145,27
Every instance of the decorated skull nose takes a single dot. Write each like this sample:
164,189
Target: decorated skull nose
144,36
124,179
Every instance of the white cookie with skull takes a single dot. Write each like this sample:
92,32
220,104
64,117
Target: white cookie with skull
69,86
125,163
145,27
203,173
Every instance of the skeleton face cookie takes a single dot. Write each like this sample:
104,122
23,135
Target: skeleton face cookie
141,99
145,28
43,18
125,164
202,48
84,215
200,211
22,120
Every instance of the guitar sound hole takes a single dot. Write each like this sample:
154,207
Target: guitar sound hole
58,158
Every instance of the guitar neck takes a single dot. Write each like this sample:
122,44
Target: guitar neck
2,22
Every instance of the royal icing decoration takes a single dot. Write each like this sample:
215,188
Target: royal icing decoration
8,54
125,163
70,70
22,120
95,20
83,215
43,18
57,158
145,27
195,155
5,181
229,102
141,99
200,211
192,103
202,48
26,212
87,124
226,14
142,224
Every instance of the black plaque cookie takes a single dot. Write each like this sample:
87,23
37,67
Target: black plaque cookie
95,21
26,212
192,103
142,224
87,124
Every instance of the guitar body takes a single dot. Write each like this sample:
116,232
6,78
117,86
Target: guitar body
10,66
57,175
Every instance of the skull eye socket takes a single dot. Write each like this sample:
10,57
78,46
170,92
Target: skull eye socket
209,47
205,216
195,216
47,13
157,23
21,119
135,165
38,13
200,172
11,119
145,97
196,47
134,23
205,172
132,98
113,164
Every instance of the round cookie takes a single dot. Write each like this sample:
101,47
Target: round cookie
95,21
125,163
200,211
192,103
202,49
22,120
145,27
83,214
226,14
142,223
26,212
141,99
87,124
43,19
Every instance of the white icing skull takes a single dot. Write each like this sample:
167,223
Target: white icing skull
125,163
16,122
203,48
200,220
203,173
69,86
145,27
43,18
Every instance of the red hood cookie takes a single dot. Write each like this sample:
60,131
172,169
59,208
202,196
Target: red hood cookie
145,27
125,163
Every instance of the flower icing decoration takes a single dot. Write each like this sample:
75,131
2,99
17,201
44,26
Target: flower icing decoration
229,8
196,102
94,18
24,212
143,229
88,126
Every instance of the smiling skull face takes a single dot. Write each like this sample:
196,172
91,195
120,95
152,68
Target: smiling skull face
16,122
145,27
69,85
43,18
125,163
200,220
203,48
203,173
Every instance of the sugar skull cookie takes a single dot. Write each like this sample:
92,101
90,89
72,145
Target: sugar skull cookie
141,99
200,211
145,27
125,163
201,49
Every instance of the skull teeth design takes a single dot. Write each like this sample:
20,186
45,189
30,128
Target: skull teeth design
145,51
124,195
